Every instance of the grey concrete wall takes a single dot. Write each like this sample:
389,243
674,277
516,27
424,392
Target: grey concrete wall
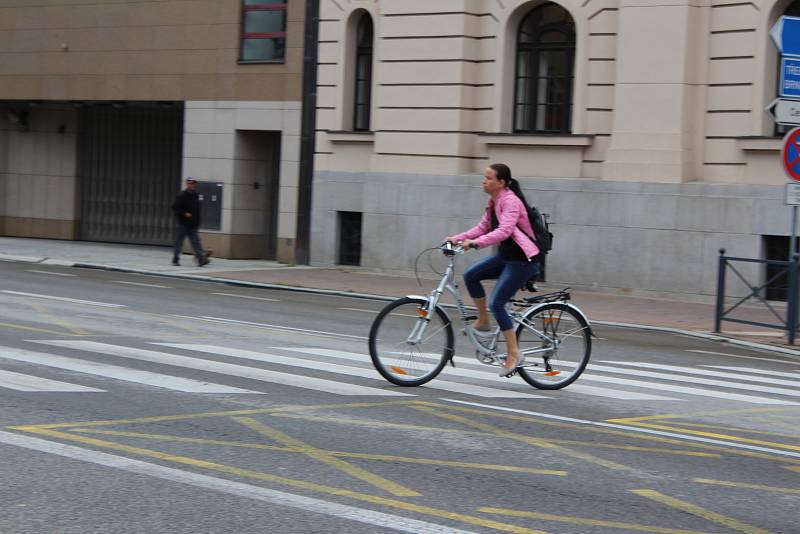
630,237
41,166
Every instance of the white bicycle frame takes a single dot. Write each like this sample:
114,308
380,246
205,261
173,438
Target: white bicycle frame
488,351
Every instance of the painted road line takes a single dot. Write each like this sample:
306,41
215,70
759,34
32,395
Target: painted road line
743,375
259,493
271,326
65,299
246,297
140,284
325,457
362,372
49,272
698,511
684,389
116,372
362,310
484,376
791,362
630,428
20,382
695,380
796,375
760,487
262,375
602,523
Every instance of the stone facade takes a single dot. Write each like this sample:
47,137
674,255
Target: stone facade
669,157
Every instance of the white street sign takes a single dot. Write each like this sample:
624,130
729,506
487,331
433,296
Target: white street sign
785,111
792,194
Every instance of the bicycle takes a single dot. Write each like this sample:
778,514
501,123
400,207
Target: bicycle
405,332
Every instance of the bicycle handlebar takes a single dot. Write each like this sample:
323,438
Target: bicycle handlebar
449,248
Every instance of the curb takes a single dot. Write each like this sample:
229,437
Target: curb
369,296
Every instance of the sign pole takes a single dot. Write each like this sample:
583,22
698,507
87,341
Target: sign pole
793,241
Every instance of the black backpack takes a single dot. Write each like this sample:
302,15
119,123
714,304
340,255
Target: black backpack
544,238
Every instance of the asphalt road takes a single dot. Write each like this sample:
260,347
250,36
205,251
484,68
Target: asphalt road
145,404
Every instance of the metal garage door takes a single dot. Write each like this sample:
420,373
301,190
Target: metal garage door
129,169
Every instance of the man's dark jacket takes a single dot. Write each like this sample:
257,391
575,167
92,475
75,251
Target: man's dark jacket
187,202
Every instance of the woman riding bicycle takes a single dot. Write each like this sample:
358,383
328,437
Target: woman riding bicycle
505,221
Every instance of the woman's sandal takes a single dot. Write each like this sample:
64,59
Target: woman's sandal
505,372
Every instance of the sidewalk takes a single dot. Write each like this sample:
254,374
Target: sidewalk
692,318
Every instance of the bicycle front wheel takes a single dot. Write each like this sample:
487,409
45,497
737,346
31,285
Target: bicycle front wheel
409,344
557,343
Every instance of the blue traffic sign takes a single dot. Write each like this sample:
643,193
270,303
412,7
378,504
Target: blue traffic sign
786,34
790,77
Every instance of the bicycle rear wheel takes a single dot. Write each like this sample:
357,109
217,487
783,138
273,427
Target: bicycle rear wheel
396,355
564,340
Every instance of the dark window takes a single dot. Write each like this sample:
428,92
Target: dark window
263,31
792,11
349,238
776,248
544,71
363,81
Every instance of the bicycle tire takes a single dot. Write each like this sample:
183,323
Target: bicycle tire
408,365
567,363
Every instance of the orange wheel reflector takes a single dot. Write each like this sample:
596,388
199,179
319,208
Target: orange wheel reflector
552,373
399,371
422,313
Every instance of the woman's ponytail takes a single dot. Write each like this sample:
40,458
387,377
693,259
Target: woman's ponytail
504,174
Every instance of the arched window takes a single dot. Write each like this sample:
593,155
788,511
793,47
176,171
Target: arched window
363,81
545,71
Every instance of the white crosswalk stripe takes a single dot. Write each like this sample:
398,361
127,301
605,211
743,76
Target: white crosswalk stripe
488,376
262,375
750,370
362,372
21,382
621,380
119,373
694,380
742,375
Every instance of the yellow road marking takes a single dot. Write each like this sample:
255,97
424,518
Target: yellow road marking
41,330
747,486
588,522
795,469
180,417
719,436
342,454
60,322
404,426
311,486
743,430
543,443
623,433
699,511
635,448
322,456
739,411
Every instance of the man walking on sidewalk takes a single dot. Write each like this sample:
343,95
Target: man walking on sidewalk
187,210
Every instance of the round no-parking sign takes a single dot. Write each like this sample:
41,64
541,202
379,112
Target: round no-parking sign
790,154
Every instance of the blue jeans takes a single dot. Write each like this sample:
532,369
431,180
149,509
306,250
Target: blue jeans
510,276
185,231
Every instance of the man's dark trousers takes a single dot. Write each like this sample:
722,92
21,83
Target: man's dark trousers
184,231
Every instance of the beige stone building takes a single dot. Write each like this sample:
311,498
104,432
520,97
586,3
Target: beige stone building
105,106
640,127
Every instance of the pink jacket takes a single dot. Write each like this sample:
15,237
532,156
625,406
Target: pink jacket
513,221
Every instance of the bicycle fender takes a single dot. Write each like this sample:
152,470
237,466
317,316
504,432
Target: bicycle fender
571,307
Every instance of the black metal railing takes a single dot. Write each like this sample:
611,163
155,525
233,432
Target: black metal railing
780,270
